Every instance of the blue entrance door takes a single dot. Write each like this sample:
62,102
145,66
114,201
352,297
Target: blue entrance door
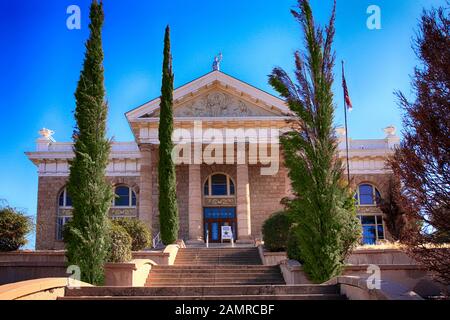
215,218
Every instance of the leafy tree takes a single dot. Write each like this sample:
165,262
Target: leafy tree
14,227
275,231
87,239
395,217
120,244
138,231
421,163
168,209
323,207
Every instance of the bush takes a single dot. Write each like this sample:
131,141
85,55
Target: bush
293,244
120,244
275,231
140,234
14,227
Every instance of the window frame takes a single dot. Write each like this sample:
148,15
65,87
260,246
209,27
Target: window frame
376,195
377,217
130,198
229,181
59,232
64,194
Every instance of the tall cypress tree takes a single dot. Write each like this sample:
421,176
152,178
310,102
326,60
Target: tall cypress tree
323,207
168,209
87,235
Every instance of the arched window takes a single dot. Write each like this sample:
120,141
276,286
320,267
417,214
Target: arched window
219,185
64,199
124,197
367,195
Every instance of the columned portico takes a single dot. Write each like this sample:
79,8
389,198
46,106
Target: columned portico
195,209
243,203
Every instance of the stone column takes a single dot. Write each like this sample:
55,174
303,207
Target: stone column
243,203
145,186
195,204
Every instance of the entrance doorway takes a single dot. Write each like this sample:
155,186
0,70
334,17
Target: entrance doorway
215,218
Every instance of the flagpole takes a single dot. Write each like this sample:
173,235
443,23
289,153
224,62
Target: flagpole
346,131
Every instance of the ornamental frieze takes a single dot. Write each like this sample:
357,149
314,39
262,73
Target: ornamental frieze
126,212
217,202
217,104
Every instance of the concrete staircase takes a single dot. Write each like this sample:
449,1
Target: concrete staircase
248,292
211,274
215,267
218,256
214,275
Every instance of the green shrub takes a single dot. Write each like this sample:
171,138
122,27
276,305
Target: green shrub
275,231
293,244
120,244
14,227
140,234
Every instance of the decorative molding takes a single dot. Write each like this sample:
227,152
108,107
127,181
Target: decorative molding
222,201
123,212
216,104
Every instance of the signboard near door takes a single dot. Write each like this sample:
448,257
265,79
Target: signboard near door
227,233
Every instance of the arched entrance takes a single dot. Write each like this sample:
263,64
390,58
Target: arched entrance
219,206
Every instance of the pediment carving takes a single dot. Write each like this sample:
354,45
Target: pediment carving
217,104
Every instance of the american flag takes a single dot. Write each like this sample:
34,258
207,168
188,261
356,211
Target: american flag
348,102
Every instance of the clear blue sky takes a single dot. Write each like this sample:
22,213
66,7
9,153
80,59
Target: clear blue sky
40,60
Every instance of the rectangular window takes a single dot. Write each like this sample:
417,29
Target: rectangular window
373,229
60,223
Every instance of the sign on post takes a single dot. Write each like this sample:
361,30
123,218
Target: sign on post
227,233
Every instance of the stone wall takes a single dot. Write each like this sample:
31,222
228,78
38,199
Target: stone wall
47,208
266,192
49,189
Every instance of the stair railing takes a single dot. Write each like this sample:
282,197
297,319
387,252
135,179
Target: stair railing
207,238
156,240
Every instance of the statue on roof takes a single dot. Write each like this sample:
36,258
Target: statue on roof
217,61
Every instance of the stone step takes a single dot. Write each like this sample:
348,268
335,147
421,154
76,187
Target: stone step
225,297
216,267
214,276
226,290
178,274
223,256
211,263
225,281
224,249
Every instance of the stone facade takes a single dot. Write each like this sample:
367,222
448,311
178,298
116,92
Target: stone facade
49,190
218,102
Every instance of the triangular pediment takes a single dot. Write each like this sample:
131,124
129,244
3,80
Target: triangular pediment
216,95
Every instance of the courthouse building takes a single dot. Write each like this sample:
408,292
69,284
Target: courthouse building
221,178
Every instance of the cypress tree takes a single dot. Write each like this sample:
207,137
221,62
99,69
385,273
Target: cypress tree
86,235
168,209
323,207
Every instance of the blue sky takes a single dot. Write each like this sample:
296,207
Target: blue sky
40,62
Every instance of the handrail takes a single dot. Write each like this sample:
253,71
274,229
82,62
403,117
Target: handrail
156,240
207,238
